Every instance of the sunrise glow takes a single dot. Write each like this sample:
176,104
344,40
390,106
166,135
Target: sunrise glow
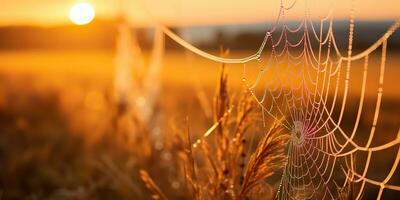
82,13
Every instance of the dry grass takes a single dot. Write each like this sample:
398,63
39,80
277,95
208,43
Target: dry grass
157,193
268,158
218,166
77,143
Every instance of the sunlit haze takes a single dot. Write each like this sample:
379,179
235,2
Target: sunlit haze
178,12
200,99
81,13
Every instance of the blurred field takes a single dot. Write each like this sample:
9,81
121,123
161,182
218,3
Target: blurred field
56,111
179,68
57,134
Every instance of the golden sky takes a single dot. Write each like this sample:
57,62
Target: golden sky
183,12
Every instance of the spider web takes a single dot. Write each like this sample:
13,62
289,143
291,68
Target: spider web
306,80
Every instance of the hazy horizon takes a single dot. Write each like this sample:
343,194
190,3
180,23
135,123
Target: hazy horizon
180,13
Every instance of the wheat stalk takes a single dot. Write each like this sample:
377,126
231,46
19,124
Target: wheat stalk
225,174
268,157
157,194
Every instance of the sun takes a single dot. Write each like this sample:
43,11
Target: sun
82,13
